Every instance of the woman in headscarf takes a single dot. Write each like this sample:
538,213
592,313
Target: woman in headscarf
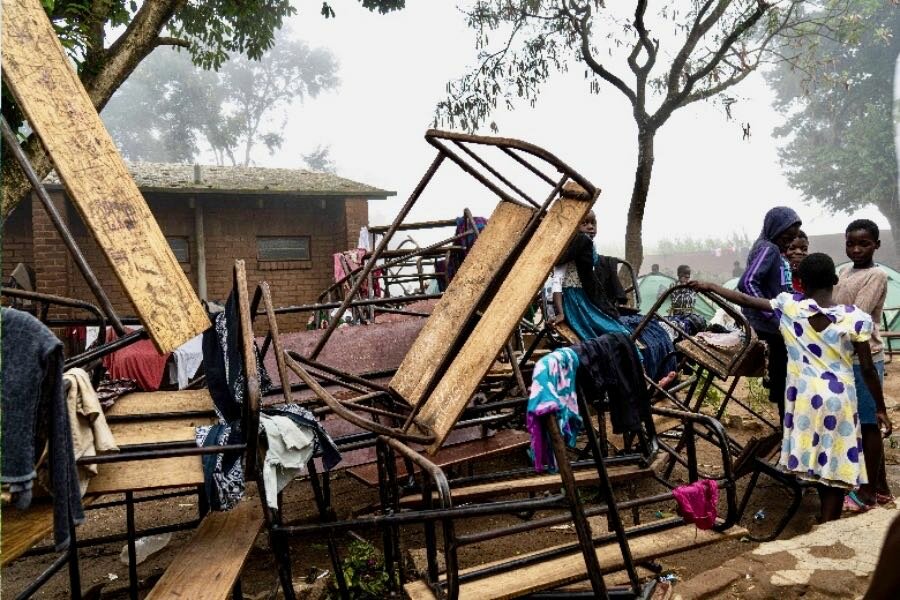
768,274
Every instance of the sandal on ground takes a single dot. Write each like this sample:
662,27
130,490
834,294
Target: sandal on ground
884,498
853,504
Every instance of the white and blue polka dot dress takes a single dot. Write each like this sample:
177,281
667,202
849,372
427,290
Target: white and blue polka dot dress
822,439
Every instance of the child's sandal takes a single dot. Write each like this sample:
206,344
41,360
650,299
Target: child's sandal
883,499
853,504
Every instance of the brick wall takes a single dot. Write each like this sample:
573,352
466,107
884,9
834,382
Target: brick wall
231,227
356,217
17,240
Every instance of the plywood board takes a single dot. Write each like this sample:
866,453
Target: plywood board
57,107
460,300
570,568
149,403
158,473
444,406
208,566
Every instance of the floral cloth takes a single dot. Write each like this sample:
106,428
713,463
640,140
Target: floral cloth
553,391
822,440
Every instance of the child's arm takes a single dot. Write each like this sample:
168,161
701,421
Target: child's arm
558,306
870,376
735,296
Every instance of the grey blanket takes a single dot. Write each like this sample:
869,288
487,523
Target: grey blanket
34,410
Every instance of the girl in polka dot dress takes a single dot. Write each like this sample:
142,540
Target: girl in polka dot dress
822,441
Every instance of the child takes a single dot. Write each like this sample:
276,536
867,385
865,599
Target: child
682,300
578,297
821,441
865,285
795,254
767,275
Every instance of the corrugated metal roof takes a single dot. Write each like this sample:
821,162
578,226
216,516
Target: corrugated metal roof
180,178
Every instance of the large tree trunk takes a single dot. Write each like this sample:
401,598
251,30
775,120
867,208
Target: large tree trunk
634,245
139,39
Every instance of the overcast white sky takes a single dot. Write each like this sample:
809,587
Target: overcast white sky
707,181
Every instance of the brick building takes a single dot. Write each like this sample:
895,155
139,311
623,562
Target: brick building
285,223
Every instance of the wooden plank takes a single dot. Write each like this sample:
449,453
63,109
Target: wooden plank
208,566
20,530
57,107
570,568
158,431
449,399
158,473
533,484
148,403
460,300
502,442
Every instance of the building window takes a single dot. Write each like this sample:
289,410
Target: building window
180,248
282,248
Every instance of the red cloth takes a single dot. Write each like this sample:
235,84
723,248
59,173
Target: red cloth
139,362
697,502
798,286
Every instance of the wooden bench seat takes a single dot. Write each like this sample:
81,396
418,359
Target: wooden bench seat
155,403
207,567
148,428
569,568
22,529
502,442
533,484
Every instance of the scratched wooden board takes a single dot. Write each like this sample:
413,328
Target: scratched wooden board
444,406
460,300
59,110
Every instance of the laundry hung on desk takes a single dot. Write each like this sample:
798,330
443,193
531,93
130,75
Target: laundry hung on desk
553,391
610,366
90,433
34,415
223,472
139,362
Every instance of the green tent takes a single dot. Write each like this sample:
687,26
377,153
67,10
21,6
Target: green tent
731,284
892,302
652,285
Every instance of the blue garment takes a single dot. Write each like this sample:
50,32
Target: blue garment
553,391
865,401
584,318
658,354
768,273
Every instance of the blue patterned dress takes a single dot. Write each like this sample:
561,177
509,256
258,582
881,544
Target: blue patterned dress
822,441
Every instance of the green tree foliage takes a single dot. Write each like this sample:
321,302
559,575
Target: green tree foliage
660,56
170,109
107,39
319,159
838,95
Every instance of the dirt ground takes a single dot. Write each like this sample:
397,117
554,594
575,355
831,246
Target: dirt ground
105,576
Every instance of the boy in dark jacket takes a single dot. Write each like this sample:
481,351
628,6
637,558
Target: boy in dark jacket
767,275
